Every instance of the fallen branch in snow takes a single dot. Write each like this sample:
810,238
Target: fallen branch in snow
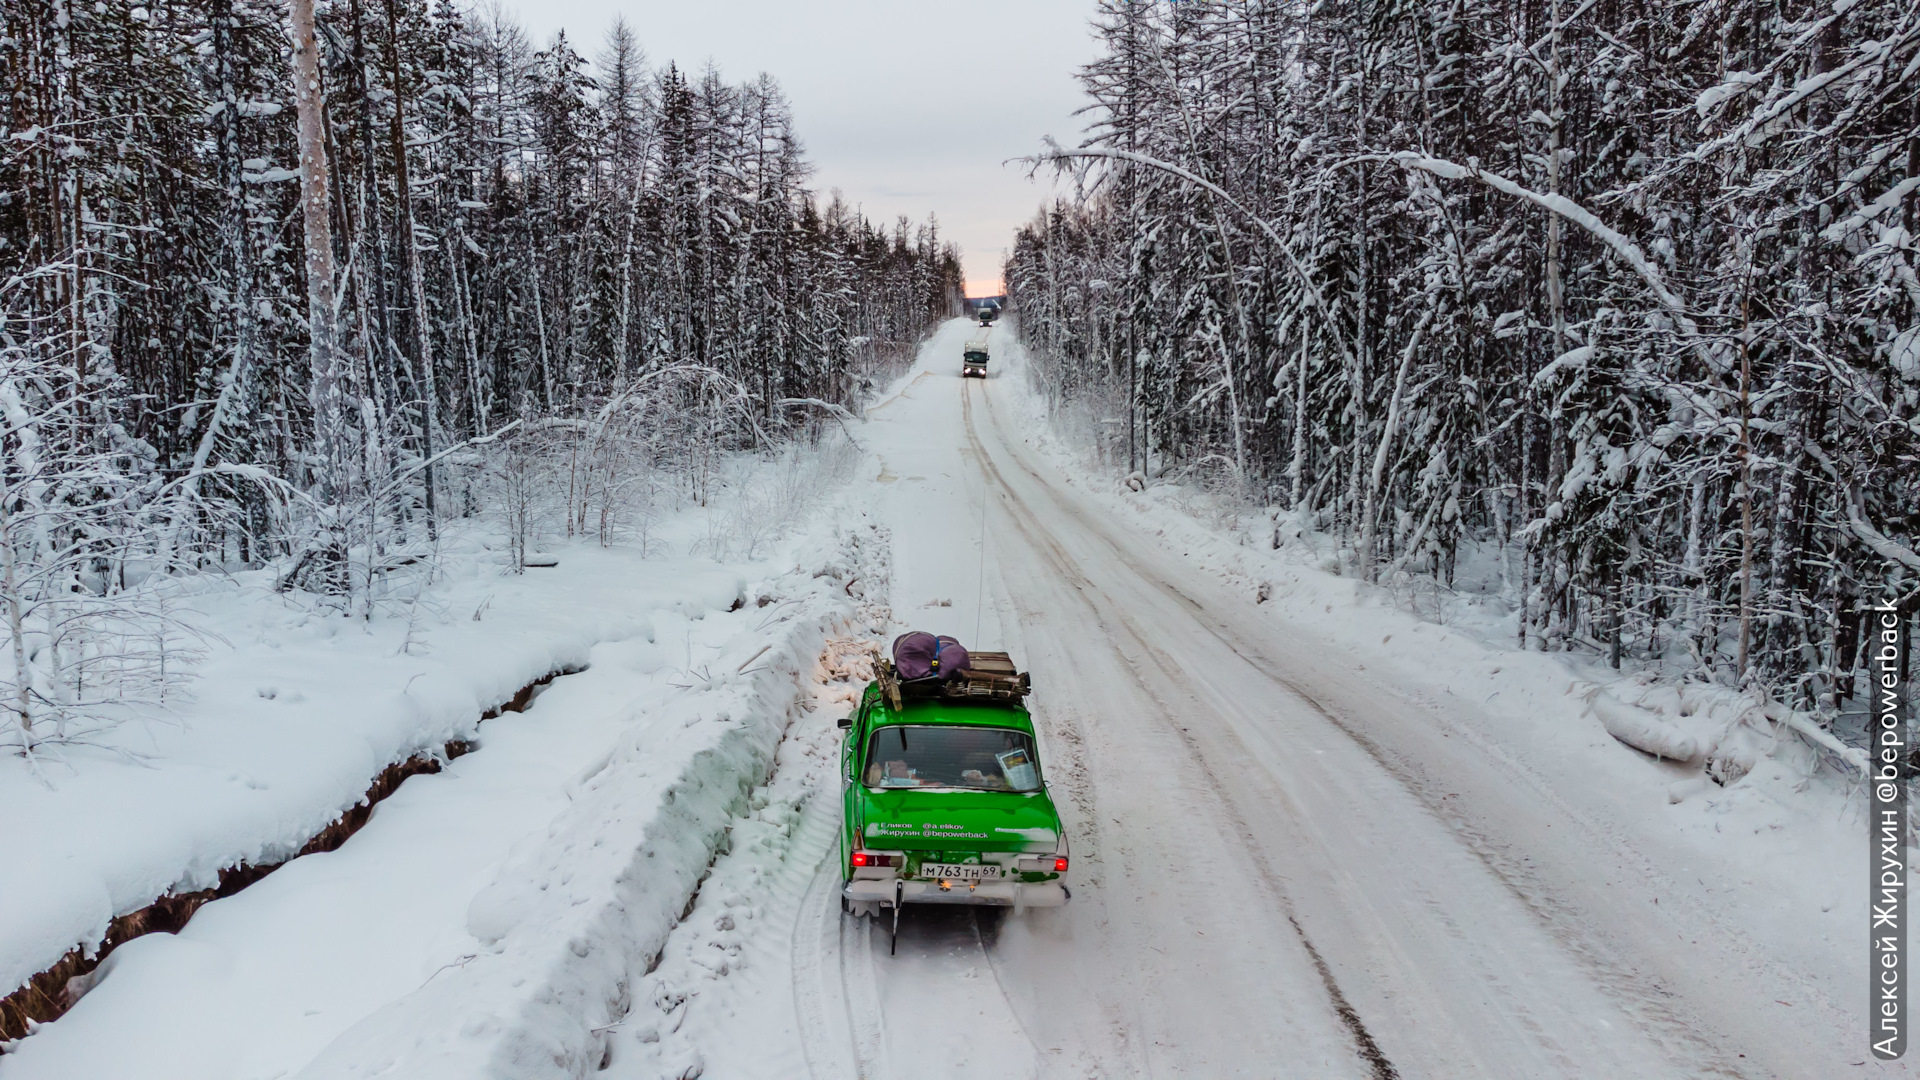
1643,730
1820,737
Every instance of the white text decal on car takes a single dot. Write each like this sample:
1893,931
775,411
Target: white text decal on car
924,829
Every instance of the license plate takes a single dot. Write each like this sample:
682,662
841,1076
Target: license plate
958,872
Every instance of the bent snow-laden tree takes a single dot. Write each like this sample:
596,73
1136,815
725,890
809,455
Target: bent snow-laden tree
1617,304
268,271
86,632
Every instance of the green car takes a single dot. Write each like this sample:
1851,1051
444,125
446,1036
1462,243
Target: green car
944,802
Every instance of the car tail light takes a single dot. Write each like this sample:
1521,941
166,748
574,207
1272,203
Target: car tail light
1060,865
860,858
868,858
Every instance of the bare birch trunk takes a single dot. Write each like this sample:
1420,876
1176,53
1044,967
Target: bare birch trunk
1369,516
1696,572
316,213
16,630
1522,519
1297,469
620,347
463,310
1556,300
1746,501
539,320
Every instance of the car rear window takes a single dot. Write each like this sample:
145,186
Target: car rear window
952,756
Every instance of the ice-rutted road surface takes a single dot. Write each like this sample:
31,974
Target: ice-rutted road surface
1281,868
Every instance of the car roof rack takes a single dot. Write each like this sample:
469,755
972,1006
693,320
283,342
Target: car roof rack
988,678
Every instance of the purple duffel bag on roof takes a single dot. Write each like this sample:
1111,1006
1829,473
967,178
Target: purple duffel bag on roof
919,654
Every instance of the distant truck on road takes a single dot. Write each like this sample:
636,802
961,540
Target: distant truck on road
973,361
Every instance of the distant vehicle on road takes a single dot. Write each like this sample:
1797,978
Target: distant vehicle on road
944,801
973,361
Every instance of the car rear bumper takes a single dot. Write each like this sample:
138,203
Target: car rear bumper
990,893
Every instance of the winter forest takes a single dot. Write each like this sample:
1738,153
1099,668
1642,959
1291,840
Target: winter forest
295,285
1619,298
1086,538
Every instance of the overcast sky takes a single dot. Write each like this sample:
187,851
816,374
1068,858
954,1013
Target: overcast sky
907,106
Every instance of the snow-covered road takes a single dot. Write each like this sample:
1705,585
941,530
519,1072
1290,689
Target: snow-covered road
1284,865
1297,852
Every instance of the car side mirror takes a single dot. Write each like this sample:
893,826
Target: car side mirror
845,721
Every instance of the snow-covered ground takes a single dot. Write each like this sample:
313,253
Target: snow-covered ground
290,719
521,883
1315,833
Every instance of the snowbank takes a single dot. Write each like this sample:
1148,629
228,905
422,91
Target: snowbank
730,966
580,909
489,919
294,713
578,913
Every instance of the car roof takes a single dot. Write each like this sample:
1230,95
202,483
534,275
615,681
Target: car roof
943,711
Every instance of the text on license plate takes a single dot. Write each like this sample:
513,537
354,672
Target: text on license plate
958,871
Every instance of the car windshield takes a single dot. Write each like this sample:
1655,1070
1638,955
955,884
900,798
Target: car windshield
950,756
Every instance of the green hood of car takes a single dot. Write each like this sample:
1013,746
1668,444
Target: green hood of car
914,820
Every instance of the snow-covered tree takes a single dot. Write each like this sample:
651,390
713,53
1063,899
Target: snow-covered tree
1623,295
268,269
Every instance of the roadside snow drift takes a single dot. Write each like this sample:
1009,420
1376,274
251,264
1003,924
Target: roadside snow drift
289,720
488,919
581,908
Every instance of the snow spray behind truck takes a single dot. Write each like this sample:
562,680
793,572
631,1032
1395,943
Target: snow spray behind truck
943,798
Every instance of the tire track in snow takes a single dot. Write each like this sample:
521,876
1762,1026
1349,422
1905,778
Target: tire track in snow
837,1041
866,1020
993,969
1035,532
1064,721
824,1054
1065,742
835,975
1652,1004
